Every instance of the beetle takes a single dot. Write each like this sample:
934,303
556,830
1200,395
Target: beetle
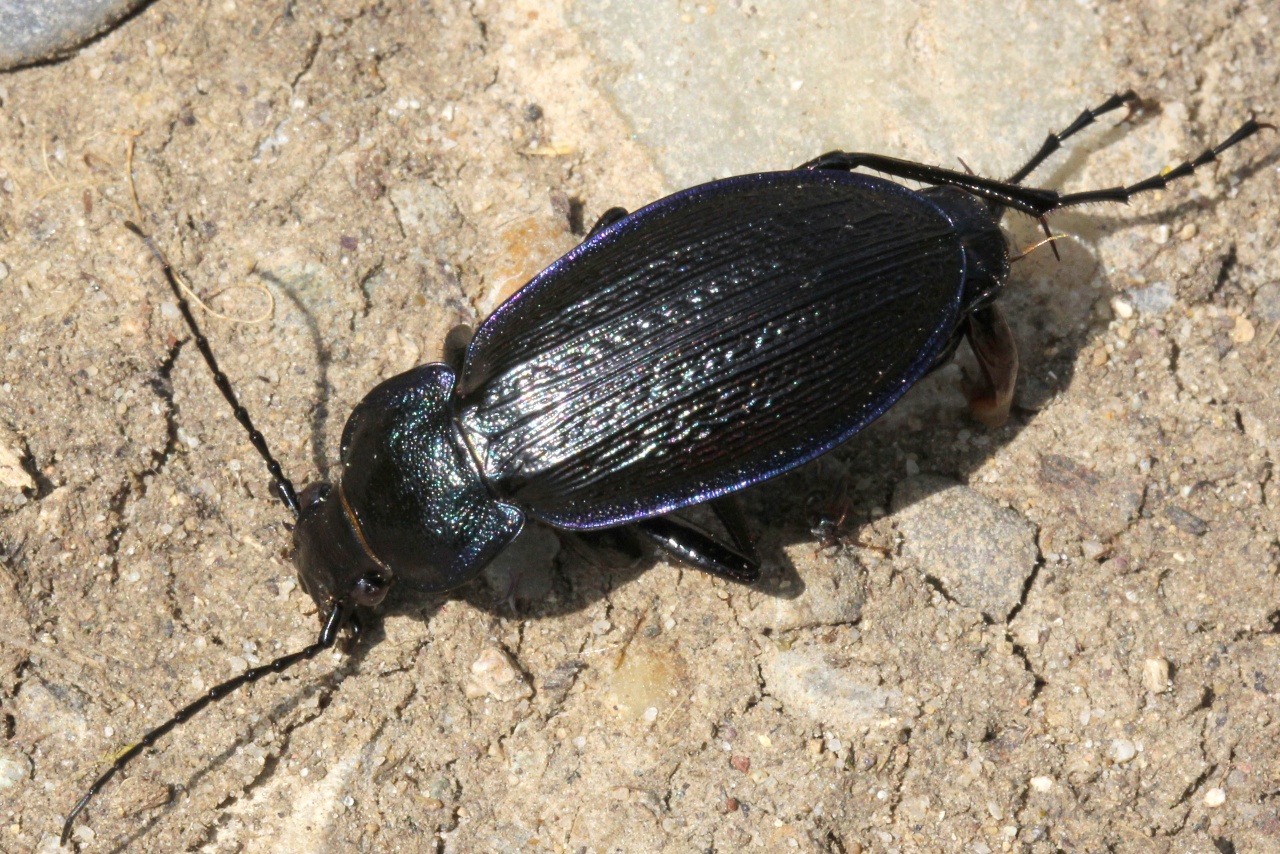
716,338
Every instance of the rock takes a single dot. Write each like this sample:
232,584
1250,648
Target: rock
834,592
14,768
779,107
523,570
39,30
1266,302
1155,675
979,552
804,681
1122,750
494,674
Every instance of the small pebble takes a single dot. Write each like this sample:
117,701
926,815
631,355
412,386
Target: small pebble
1093,549
494,674
1215,797
1122,750
1042,783
14,768
1119,565
1243,332
1188,522
1155,675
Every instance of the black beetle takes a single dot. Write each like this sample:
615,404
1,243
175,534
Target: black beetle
713,339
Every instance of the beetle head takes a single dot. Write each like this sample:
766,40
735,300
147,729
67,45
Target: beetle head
334,565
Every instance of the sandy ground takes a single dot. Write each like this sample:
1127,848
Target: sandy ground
1071,642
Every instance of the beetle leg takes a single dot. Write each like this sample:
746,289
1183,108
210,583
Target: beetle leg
992,395
1054,141
729,512
606,219
1029,200
456,344
697,549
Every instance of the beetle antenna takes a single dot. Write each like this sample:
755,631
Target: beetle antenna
284,487
338,618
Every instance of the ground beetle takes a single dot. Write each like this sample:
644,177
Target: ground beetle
711,340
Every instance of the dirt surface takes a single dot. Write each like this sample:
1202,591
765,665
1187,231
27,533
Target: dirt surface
1104,679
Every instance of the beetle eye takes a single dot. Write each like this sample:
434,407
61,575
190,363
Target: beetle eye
313,493
370,589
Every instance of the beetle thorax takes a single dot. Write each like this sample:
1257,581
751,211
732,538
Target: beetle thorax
986,250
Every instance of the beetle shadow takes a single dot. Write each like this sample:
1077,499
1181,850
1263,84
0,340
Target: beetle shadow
548,572
323,388
303,689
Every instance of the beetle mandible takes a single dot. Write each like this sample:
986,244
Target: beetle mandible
657,366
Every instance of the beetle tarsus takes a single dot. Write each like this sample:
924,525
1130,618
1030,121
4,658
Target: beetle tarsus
1054,140
1162,179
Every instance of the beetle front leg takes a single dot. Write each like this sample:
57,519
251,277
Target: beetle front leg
699,550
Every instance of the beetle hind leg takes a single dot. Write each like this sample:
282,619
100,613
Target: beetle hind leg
738,562
1054,140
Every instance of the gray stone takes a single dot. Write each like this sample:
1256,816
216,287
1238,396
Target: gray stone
1155,299
979,552
834,593
845,700
38,30
1267,302
14,769
523,570
779,87
423,209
